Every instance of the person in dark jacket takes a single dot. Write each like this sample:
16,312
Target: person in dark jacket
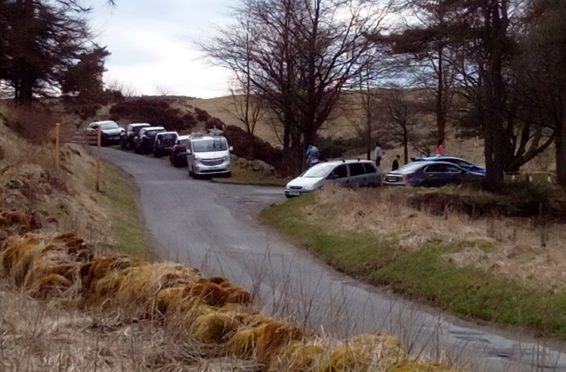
395,164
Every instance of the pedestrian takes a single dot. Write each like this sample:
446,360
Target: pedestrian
378,154
440,150
395,164
312,155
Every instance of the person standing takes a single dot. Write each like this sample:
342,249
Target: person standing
395,164
312,155
378,154
440,150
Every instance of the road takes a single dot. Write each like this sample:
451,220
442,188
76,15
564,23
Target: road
213,227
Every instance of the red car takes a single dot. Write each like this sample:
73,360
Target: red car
178,156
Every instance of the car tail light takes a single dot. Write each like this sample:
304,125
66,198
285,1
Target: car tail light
406,177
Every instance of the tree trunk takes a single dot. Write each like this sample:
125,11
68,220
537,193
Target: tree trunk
560,148
440,109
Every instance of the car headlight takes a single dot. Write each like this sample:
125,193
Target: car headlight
226,158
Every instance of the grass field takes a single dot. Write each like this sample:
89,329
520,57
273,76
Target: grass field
419,266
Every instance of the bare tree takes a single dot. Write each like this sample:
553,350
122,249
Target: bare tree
306,53
400,119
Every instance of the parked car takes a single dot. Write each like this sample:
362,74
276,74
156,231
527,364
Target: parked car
430,173
178,156
350,173
143,142
472,168
127,140
164,142
208,154
110,131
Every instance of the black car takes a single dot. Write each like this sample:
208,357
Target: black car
178,156
143,142
131,131
430,173
164,142
110,132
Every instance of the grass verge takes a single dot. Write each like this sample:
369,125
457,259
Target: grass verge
423,274
128,231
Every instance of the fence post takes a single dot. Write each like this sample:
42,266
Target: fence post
98,140
57,144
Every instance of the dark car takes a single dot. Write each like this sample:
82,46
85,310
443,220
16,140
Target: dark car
429,173
131,131
178,156
164,142
110,131
143,142
472,168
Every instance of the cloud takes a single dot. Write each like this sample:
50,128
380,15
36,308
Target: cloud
154,47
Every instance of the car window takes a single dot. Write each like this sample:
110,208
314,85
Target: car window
340,171
436,168
356,169
369,168
318,171
453,169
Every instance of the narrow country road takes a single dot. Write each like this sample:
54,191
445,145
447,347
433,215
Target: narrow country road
213,227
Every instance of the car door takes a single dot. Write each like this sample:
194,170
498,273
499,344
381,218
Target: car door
358,177
372,178
435,175
339,175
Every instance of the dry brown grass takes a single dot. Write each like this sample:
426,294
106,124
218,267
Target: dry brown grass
512,247
209,316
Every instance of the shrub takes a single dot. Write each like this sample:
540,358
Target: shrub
156,112
201,115
250,147
213,122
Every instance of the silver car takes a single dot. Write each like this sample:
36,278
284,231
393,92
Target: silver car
349,173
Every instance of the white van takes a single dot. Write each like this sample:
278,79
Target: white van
208,154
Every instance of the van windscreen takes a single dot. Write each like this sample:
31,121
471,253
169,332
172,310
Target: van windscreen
209,145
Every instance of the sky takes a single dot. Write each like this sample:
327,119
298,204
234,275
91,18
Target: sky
153,45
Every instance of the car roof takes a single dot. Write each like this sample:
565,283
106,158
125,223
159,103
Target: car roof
439,158
151,128
139,125
167,132
102,122
185,136
204,137
347,161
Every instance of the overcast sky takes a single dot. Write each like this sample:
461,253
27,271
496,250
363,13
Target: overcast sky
153,45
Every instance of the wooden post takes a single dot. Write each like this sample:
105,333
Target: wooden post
98,140
57,139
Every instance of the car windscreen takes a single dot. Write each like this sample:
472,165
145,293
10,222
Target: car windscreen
183,141
110,125
319,170
152,133
209,145
168,137
137,129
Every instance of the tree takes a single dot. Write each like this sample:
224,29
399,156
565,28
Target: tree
429,41
400,119
85,78
41,40
543,60
306,53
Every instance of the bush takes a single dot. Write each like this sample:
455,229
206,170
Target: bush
201,115
250,147
213,122
156,112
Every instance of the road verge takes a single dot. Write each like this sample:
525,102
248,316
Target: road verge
422,274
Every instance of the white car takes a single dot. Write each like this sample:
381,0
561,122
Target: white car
208,154
349,173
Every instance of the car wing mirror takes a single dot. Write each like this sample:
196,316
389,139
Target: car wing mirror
332,176
188,152
231,148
